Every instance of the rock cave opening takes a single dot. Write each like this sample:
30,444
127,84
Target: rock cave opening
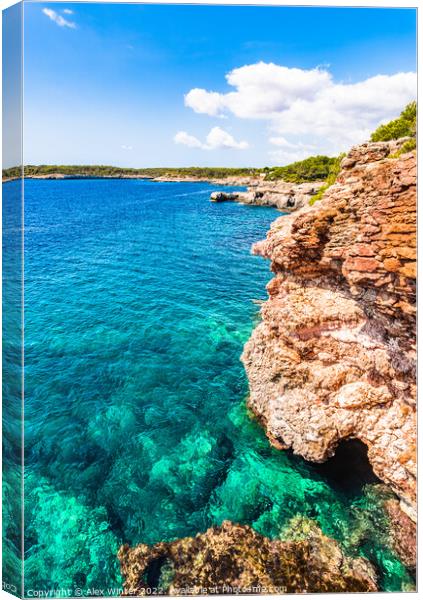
154,570
349,469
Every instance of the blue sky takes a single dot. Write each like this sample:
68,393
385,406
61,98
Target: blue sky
145,85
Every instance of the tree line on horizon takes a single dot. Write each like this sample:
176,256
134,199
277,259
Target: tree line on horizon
313,168
110,171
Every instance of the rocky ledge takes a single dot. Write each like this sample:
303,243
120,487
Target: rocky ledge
334,356
241,180
234,559
280,194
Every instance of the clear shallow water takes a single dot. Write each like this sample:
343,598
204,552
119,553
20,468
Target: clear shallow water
139,298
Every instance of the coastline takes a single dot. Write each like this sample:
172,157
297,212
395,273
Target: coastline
285,196
280,250
230,181
345,368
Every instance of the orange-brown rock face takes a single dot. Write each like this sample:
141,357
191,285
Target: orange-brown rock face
334,355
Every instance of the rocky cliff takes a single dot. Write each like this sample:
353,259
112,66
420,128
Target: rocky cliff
234,559
334,356
280,194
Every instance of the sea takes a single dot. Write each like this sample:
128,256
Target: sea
139,298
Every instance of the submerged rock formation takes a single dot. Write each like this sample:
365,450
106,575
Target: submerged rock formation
403,534
334,355
234,559
280,194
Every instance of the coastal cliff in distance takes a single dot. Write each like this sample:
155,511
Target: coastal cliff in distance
283,195
334,356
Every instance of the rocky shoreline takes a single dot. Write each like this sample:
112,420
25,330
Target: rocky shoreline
61,176
287,197
334,357
230,180
234,559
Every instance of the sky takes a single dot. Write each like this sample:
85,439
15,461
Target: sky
150,85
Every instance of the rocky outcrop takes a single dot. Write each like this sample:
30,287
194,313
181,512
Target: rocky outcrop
234,559
225,196
334,355
241,180
403,534
279,194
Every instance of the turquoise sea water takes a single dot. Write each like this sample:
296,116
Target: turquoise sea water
139,298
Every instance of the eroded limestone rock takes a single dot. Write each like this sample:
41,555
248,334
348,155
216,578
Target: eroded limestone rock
285,196
334,355
403,533
235,559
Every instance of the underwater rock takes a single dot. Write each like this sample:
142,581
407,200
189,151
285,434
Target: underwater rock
334,356
403,533
235,559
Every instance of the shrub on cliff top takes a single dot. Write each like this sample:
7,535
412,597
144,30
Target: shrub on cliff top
330,179
404,126
314,168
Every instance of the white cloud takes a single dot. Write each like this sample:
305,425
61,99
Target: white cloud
58,19
124,147
219,138
289,152
67,11
307,106
182,137
262,90
284,157
281,141
216,139
202,101
284,143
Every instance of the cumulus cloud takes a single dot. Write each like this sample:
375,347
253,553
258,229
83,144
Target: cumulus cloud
262,91
202,101
283,142
289,152
219,138
280,141
58,19
307,104
284,157
216,139
182,137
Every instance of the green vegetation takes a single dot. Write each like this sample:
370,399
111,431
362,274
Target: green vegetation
314,168
408,146
404,126
108,171
330,179
13,172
